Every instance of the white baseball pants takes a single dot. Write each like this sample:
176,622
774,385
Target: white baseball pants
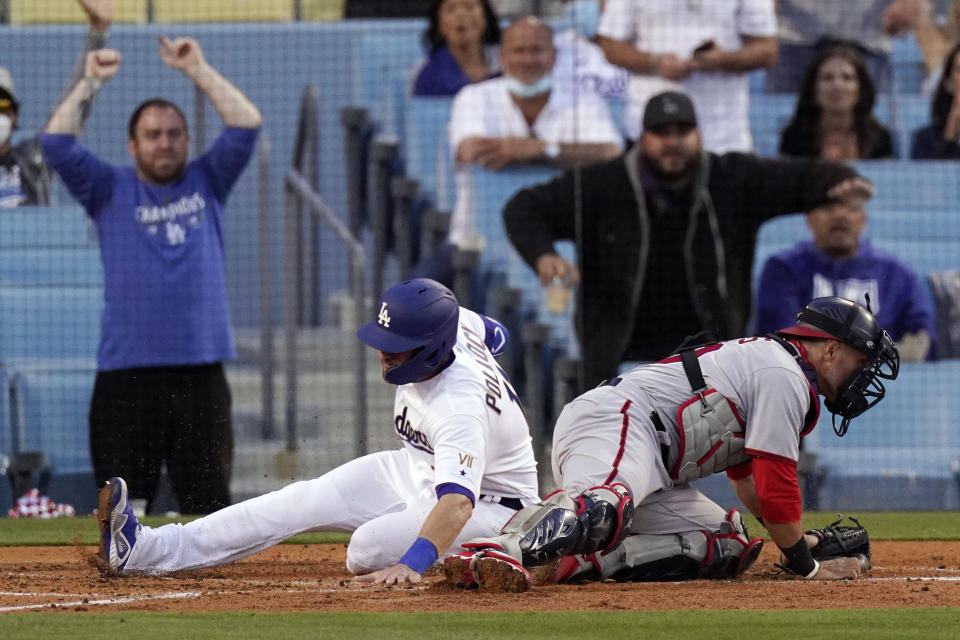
382,498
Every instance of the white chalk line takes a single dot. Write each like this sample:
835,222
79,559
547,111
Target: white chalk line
103,601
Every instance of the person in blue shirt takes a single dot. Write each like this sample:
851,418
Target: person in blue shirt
839,262
461,39
160,394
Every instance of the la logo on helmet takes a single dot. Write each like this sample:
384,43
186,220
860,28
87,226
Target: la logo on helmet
383,318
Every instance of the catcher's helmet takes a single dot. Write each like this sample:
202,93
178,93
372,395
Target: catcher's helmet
840,319
419,315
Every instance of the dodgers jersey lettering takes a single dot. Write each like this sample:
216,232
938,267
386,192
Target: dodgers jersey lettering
162,251
467,423
761,379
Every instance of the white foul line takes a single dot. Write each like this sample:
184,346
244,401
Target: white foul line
79,603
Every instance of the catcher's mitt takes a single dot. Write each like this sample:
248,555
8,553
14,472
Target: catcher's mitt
837,542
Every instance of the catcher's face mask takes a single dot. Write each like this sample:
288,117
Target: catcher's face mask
865,387
845,320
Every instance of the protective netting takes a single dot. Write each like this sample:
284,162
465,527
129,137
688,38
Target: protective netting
338,109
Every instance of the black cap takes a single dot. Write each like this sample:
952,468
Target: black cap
669,107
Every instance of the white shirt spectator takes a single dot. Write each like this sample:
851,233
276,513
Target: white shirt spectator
721,98
486,109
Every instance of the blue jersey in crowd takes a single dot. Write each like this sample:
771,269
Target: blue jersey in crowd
792,278
162,252
440,75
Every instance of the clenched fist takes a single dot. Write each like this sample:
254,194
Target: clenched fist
102,64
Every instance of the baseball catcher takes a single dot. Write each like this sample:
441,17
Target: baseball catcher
625,453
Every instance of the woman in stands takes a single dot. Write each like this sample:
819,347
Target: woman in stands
939,139
462,41
834,116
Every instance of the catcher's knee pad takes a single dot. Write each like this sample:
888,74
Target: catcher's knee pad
597,519
688,555
606,513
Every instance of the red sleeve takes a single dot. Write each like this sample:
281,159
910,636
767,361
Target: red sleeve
775,479
740,471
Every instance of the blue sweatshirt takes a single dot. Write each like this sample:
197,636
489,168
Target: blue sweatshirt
791,278
162,252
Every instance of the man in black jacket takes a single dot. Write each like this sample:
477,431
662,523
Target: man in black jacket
678,259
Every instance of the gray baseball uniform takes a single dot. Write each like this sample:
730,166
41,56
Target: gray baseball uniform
607,435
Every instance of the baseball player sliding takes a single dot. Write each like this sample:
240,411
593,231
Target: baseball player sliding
625,452
466,465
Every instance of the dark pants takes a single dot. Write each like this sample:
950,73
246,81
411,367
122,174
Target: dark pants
143,417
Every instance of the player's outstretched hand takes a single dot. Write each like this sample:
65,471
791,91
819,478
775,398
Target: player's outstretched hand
100,13
103,64
838,569
397,574
181,54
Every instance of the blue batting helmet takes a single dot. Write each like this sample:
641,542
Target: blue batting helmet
419,315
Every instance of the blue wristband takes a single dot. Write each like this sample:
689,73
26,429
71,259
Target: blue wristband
420,556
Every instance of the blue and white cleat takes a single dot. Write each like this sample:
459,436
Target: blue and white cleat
118,526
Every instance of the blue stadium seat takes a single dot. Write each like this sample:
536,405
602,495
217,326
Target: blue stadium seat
67,266
53,404
491,190
776,235
906,450
909,71
924,255
906,185
52,414
758,79
918,224
769,114
426,148
49,322
44,227
913,112
381,64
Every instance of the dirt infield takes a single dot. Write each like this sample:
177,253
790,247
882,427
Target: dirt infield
313,578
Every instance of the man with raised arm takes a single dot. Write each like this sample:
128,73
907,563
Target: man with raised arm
24,174
160,394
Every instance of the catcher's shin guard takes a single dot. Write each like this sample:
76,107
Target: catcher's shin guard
597,520
689,555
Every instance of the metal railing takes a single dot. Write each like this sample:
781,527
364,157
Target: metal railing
267,288
304,212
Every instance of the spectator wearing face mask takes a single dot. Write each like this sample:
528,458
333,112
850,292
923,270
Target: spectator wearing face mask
516,119
24,174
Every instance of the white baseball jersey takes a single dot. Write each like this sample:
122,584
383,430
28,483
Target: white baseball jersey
463,432
467,423
486,109
606,435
